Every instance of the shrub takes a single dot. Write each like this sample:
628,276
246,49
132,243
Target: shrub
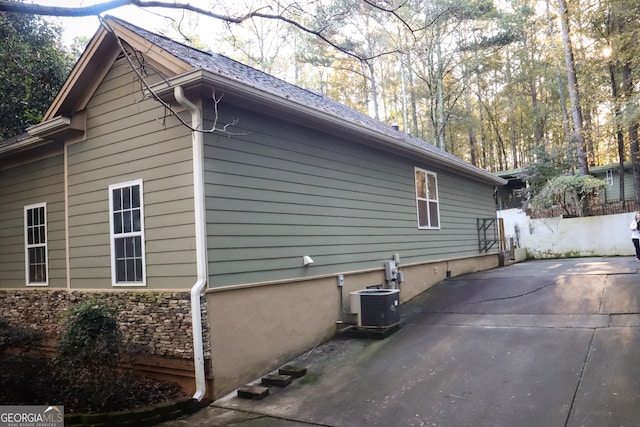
574,193
88,354
92,339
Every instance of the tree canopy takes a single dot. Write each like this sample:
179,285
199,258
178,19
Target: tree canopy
34,67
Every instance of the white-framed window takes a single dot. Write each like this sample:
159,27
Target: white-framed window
126,219
35,245
609,177
427,199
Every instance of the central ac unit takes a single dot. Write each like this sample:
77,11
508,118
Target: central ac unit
376,308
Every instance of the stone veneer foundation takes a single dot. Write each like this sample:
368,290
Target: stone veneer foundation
155,323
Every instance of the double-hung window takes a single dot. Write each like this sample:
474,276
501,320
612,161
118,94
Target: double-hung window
427,199
35,243
127,234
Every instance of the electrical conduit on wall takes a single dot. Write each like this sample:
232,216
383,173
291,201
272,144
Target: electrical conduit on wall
201,248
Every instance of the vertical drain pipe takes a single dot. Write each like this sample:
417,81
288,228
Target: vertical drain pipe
201,239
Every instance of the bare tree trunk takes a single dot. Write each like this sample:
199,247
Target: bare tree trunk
635,158
561,97
512,125
563,104
411,107
620,136
574,93
412,97
373,89
440,91
588,140
500,150
538,126
403,81
471,130
627,83
483,140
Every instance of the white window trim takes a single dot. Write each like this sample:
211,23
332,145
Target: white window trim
112,235
609,176
27,246
437,199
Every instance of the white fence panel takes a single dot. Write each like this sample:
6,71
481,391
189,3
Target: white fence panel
569,237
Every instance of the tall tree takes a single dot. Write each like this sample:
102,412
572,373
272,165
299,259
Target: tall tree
34,67
628,29
574,92
628,87
558,74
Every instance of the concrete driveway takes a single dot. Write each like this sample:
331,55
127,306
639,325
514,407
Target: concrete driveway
540,343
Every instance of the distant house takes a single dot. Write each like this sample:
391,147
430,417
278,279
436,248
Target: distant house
611,175
200,238
513,194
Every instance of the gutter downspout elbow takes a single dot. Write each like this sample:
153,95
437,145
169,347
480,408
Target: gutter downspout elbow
201,242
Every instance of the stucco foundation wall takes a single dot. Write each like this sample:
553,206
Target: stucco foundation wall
159,324
255,329
420,277
607,235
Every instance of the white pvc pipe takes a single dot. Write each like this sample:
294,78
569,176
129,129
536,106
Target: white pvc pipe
201,239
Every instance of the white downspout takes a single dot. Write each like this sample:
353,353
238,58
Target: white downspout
201,239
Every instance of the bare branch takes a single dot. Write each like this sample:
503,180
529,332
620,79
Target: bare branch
392,11
37,9
97,9
138,65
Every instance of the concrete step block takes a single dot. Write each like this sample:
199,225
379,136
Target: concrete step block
293,370
253,392
276,380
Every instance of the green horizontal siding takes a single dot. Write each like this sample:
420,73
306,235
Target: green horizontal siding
129,138
277,191
40,181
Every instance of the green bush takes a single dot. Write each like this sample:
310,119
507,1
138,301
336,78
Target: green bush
92,339
89,351
574,193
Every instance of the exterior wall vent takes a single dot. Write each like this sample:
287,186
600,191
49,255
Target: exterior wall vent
376,308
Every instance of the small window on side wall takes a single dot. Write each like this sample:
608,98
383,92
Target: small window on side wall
609,177
427,199
126,217
35,243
